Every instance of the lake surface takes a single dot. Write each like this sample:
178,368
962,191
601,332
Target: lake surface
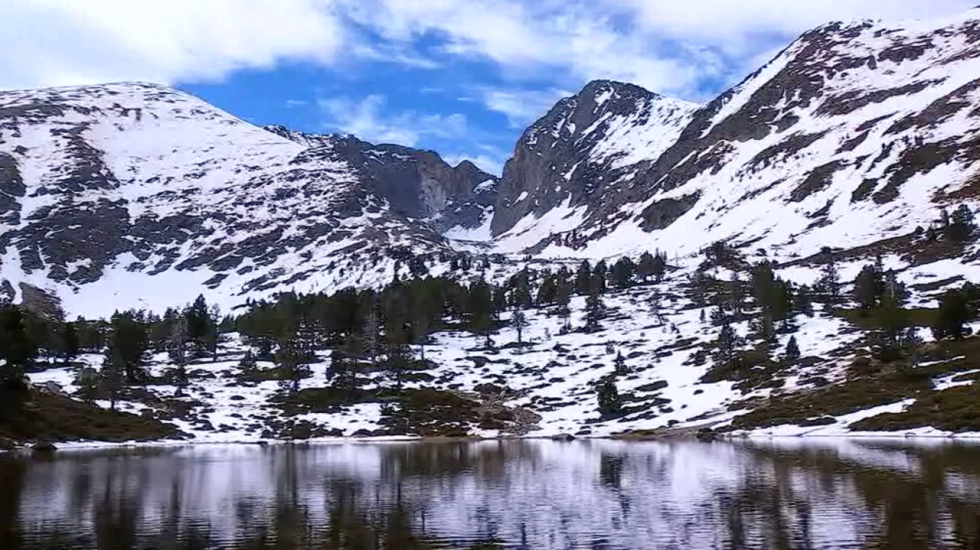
530,495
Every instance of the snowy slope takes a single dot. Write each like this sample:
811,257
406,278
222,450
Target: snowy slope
854,133
136,195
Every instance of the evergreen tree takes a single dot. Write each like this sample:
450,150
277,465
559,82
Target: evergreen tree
563,298
610,402
521,293
398,358
290,362
620,365
498,302
129,345
954,313
177,350
199,321
17,349
698,288
583,278
248,364
961,226
869,286
344,366
599,275
112,375
371,334
69,345
893,319
623,272
519,322
548,291
593,309
792,352
645,267
726,346
481,310
659,266
829,283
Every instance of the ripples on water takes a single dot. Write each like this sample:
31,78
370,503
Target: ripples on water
488,495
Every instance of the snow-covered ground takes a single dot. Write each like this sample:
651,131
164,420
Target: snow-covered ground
554,375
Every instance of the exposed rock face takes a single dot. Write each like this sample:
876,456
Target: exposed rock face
573,154
418,184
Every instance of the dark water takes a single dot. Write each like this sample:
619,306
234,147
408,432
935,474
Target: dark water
533,495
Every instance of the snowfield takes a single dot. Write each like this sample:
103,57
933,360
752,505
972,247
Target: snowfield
554,376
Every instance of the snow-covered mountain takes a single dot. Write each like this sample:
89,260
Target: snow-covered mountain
570,159
128,195
854,133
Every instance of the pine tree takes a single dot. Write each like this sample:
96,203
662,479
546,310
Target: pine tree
112,375
593,309
519,322
623,272
893,319
792,352
610,402
869,286
481,310
961,226
583,278
69,345
645,267
619,363
563,297
548,291
129,345
659,267
371,335
954,313
248,364
17,349
521,293
829,283
344,366
177,349
199,322
726,346
289,361
599,275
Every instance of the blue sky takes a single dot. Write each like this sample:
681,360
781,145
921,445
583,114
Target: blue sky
462,77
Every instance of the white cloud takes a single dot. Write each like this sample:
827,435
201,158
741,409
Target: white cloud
492,163
671,47
367,120
68,42
521,106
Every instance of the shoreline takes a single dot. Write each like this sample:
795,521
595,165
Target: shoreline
79,446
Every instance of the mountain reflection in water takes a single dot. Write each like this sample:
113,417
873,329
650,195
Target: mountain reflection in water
508,494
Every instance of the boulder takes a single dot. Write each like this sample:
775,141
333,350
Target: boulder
44,447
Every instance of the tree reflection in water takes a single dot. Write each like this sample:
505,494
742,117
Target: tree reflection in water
526,495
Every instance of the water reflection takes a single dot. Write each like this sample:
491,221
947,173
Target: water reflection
527,495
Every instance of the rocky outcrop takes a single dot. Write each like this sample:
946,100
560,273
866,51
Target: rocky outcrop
573,155
416,183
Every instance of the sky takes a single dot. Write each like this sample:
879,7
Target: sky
462,77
